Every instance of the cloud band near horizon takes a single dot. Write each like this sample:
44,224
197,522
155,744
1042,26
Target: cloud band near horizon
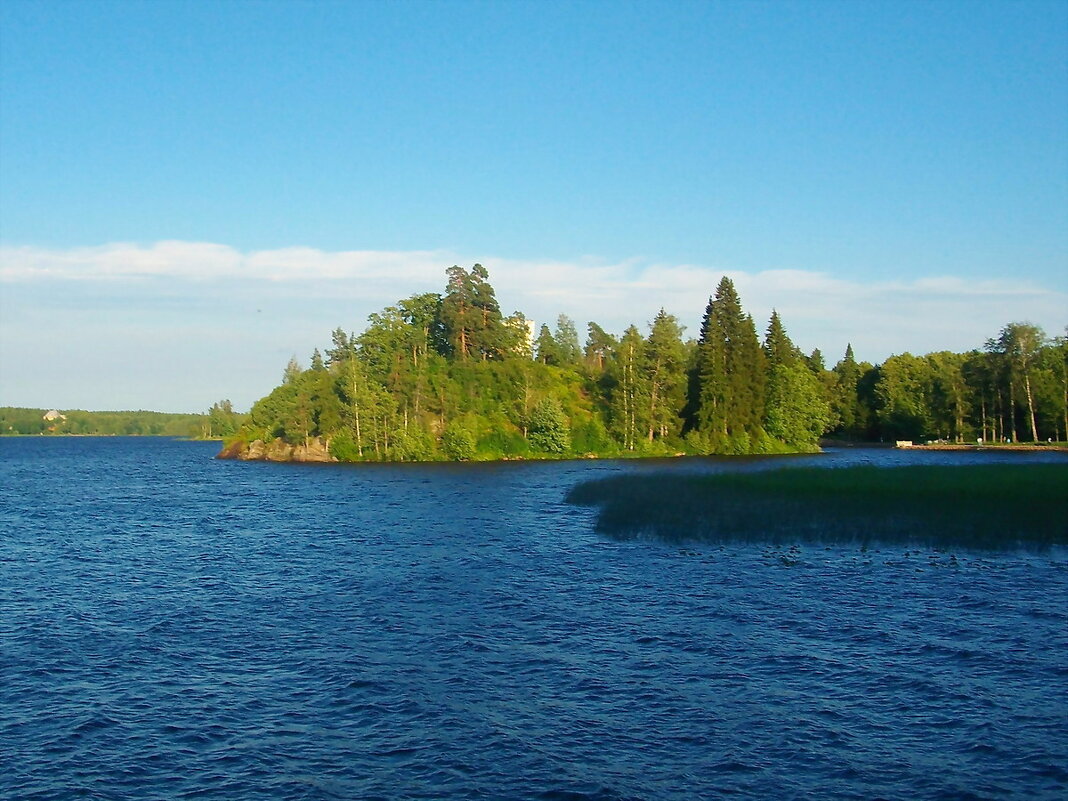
172,286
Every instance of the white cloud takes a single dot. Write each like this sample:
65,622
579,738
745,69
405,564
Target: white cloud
207,261
262,306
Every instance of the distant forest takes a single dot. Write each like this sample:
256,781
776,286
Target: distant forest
21,421
448,376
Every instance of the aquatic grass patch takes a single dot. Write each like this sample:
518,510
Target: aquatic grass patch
981,506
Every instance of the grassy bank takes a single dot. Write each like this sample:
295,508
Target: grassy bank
982,506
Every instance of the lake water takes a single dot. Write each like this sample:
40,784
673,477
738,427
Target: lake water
175,627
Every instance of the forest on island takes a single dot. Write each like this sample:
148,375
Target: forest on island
449,376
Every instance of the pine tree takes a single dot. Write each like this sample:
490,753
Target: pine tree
422,313
845,409
795,410
749,364
488,336
344,347
599,344
664,369
730,378
546,348
567,341
778,348
708,377
815,361
292,372
459,313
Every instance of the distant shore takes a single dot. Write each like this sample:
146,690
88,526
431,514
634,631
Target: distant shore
962,446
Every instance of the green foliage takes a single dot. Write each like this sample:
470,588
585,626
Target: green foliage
266,419
16,421
21,421
628,390
765,444
902,394
222,421
413,445
343,447
1018,347
664,368
738,443
436,376
728,395
502,441
458,442
599,346
567,342
591,436
548,352
847,411
778,348
698,442
471,317
963,505
797,412
516,336
548,428
292,371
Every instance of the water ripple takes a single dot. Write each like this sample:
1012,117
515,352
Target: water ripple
172,626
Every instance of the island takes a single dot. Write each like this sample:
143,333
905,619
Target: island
448,376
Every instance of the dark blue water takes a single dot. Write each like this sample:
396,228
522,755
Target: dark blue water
177,627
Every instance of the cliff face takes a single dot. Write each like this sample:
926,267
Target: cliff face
316,450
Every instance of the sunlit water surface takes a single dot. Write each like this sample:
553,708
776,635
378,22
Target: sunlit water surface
173,627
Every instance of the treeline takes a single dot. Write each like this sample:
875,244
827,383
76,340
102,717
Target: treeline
1013,390
449,376
22,421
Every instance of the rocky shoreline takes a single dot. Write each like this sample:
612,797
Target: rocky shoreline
316,449
277,450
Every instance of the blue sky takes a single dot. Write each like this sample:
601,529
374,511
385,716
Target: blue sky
192,192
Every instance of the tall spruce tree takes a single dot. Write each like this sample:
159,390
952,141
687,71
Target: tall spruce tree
709,376
778,349
489,339
845,409
730,381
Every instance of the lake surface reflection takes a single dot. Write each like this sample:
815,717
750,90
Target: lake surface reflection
174,626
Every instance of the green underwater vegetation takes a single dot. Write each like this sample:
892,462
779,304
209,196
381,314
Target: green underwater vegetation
1001,506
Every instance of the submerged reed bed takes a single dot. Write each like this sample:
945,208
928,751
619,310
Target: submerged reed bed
981,506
